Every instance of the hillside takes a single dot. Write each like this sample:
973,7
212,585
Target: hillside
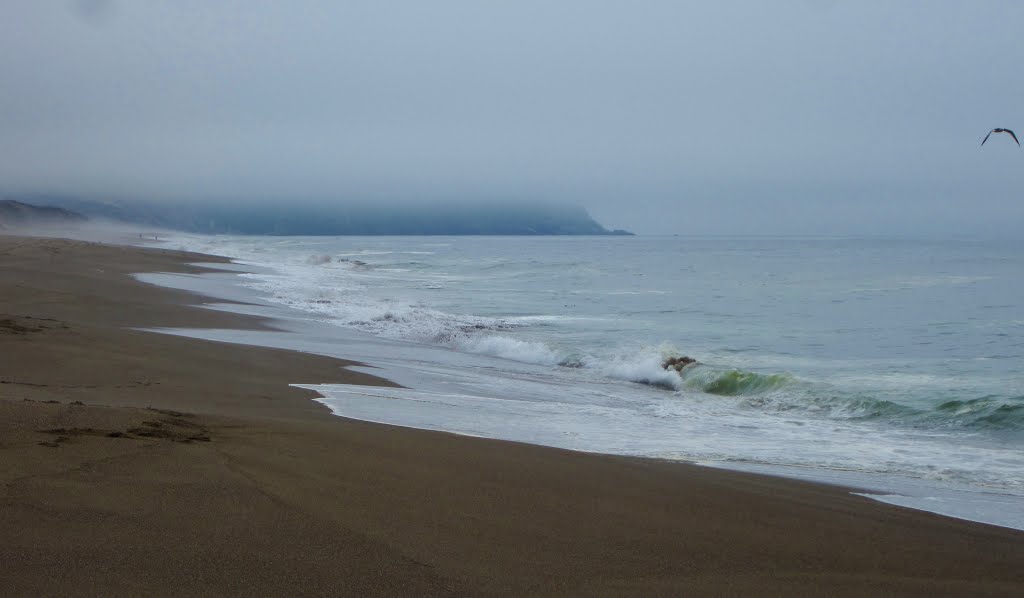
16,214
350,218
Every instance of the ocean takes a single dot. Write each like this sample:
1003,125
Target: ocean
892,366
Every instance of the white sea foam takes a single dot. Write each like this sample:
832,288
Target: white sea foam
644,369
638,363
509,348
784,366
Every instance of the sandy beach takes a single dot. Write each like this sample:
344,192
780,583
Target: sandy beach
135,463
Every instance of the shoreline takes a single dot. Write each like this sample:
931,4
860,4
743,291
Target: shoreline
948,498
331,503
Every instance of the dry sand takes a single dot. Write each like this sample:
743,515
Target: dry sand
133,463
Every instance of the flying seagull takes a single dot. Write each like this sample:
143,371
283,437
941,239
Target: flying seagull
1000,131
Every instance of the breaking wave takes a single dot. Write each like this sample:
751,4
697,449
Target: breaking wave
338,288
734,382
509,348
986,412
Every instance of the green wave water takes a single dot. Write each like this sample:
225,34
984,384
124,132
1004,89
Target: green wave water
735,382
785,392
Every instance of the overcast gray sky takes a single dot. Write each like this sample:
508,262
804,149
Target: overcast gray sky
659,116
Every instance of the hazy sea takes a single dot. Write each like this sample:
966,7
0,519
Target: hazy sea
891,365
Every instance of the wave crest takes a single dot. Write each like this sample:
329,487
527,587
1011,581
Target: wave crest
986,412
733,382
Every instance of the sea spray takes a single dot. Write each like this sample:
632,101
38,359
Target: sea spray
642,364
507,347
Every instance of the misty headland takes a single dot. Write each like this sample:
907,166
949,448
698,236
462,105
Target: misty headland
16,215
343,217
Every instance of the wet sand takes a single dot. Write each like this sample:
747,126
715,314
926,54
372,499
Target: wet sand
134,463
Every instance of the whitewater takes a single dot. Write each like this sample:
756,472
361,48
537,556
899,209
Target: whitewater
888,365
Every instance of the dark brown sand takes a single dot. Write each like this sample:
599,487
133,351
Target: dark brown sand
133,463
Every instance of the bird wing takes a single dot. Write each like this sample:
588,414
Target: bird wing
1012,135
987,136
